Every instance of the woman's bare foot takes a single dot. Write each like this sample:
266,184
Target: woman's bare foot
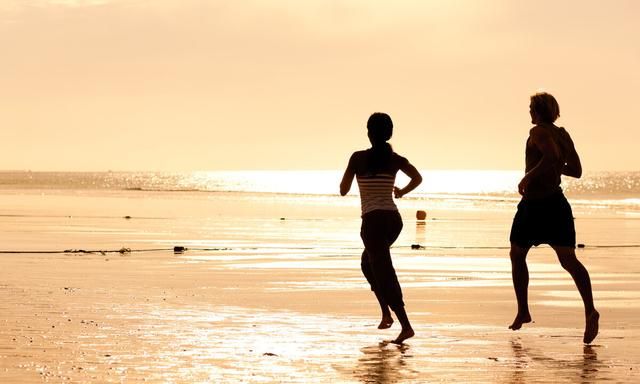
404,335
385,322
519,320
591,327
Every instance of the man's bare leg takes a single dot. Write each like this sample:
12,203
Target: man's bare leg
520,276
580,275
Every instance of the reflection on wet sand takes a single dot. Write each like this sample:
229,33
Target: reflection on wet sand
590,364
383,363
160,318
421,233
530,362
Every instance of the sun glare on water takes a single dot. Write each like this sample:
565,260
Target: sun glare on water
327,182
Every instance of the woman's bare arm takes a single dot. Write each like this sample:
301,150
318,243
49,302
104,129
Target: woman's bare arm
347,178
416,179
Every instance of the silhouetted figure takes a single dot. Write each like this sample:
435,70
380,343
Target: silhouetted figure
375,170
544,215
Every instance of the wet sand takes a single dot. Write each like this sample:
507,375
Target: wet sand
283,301
158,317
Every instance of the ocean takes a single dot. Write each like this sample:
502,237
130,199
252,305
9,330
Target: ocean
623,187
615,191
274,209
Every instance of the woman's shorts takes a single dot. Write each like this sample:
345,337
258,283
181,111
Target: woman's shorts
544,221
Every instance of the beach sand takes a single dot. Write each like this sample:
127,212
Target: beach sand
286,302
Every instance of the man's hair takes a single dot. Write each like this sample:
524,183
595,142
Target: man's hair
545,106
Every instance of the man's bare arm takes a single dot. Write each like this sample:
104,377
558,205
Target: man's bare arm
572,166
541,140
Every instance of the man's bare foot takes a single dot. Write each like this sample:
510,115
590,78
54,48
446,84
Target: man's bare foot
385,322
519,320
591,327
404,335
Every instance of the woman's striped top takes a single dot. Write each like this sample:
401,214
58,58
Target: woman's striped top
376,192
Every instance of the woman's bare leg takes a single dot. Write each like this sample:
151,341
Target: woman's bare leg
406,331
386,320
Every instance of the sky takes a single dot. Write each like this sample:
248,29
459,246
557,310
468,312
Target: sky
180,85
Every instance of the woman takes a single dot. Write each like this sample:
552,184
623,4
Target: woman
544,216
375,170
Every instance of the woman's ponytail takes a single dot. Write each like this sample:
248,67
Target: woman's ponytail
380,130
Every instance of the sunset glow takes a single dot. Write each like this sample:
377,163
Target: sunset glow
189,85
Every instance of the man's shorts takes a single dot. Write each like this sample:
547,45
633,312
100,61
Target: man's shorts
544,221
